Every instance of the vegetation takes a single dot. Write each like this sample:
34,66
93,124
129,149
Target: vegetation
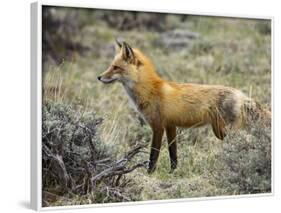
76,163
207,50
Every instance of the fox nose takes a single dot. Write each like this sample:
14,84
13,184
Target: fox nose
99,77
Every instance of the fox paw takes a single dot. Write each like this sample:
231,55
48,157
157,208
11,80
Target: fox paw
172,170
151,168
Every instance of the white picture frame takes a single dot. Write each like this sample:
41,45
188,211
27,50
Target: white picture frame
36,105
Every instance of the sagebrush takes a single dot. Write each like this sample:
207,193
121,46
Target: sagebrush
76,163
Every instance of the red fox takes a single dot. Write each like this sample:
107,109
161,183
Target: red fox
166,105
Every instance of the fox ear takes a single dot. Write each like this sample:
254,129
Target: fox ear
118,45
127,52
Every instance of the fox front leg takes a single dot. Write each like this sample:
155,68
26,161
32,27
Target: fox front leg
155,148
172,146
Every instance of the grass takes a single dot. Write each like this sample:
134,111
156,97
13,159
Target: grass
231,52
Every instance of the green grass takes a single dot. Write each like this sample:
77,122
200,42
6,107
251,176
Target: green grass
231,52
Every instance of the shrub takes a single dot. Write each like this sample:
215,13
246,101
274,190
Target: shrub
75,162
244,165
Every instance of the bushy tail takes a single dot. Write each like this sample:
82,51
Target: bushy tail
254,112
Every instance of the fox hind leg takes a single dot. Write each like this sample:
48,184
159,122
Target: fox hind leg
219,127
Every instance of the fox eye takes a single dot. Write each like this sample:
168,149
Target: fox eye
116,67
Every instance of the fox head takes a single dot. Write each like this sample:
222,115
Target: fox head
124,67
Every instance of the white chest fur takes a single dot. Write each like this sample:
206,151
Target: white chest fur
129,91
132,97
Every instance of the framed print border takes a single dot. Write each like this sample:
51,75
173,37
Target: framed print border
36,104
